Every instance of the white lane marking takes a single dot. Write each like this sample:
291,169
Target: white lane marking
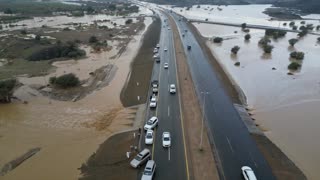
168,111
230,145
169,153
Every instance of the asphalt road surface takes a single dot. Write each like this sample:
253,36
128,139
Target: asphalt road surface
227,133
171,162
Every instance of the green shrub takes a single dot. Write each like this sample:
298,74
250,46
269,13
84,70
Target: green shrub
93,39
264,41
6,89
318,39
297,55
235,49
237,64
293,41
267,48
23,31
217,40
318,28
129,21
291,23
303,33
294,66
243,25
247,37
294,27
65,81
37,37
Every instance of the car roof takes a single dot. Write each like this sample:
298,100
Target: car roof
145,151
249,172
166,134
149,131
150,163
153,118
172,85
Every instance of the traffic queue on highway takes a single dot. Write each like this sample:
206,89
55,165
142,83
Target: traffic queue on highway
144,157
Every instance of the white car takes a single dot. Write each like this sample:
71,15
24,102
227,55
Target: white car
248,173
168,28
151,123
158,46
166,65
166,139
141,158
172,89
153,102
155,50
149,137
149,170
165,49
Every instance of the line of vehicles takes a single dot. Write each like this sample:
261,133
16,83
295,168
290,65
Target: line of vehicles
144,157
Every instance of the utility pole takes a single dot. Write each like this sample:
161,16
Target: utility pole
203,111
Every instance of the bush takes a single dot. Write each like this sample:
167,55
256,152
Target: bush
6,89
243,25
297,55
294,66
303,22
37,37
129,21
291,23
247,37
264,41
217,40
65,81
302,33
293,41
318,28
69,49
294,27
284,24
237,64
93,39
267,48
23,31
318,39
235,49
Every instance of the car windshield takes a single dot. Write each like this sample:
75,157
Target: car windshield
147,172
149,135
138,157
150,122
166,139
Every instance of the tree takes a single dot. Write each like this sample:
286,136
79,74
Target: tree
23,31
318,28
247,37
318,39
6,90
112,7
303,33
65,81
237,64
267,48
8,11
294,27
293,41
297,55
93,39
129,21
294,66
235,49
264,41
303,22
37,37
244,25
292,23
90,9
217,40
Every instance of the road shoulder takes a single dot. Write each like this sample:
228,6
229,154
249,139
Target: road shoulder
201,163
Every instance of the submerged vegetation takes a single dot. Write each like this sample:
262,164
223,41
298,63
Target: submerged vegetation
294,66
297,55
65,81
6,89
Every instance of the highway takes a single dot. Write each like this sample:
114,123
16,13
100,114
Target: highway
228,135
171,162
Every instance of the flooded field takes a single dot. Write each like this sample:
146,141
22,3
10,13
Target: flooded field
238,14
285,106
67,132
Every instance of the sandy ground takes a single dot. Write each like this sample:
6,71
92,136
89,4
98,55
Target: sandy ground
67,132
202,163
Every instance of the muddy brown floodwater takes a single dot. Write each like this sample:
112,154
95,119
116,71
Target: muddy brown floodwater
67,132
284,106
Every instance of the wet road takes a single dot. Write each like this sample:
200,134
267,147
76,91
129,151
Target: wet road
229,136
171,162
